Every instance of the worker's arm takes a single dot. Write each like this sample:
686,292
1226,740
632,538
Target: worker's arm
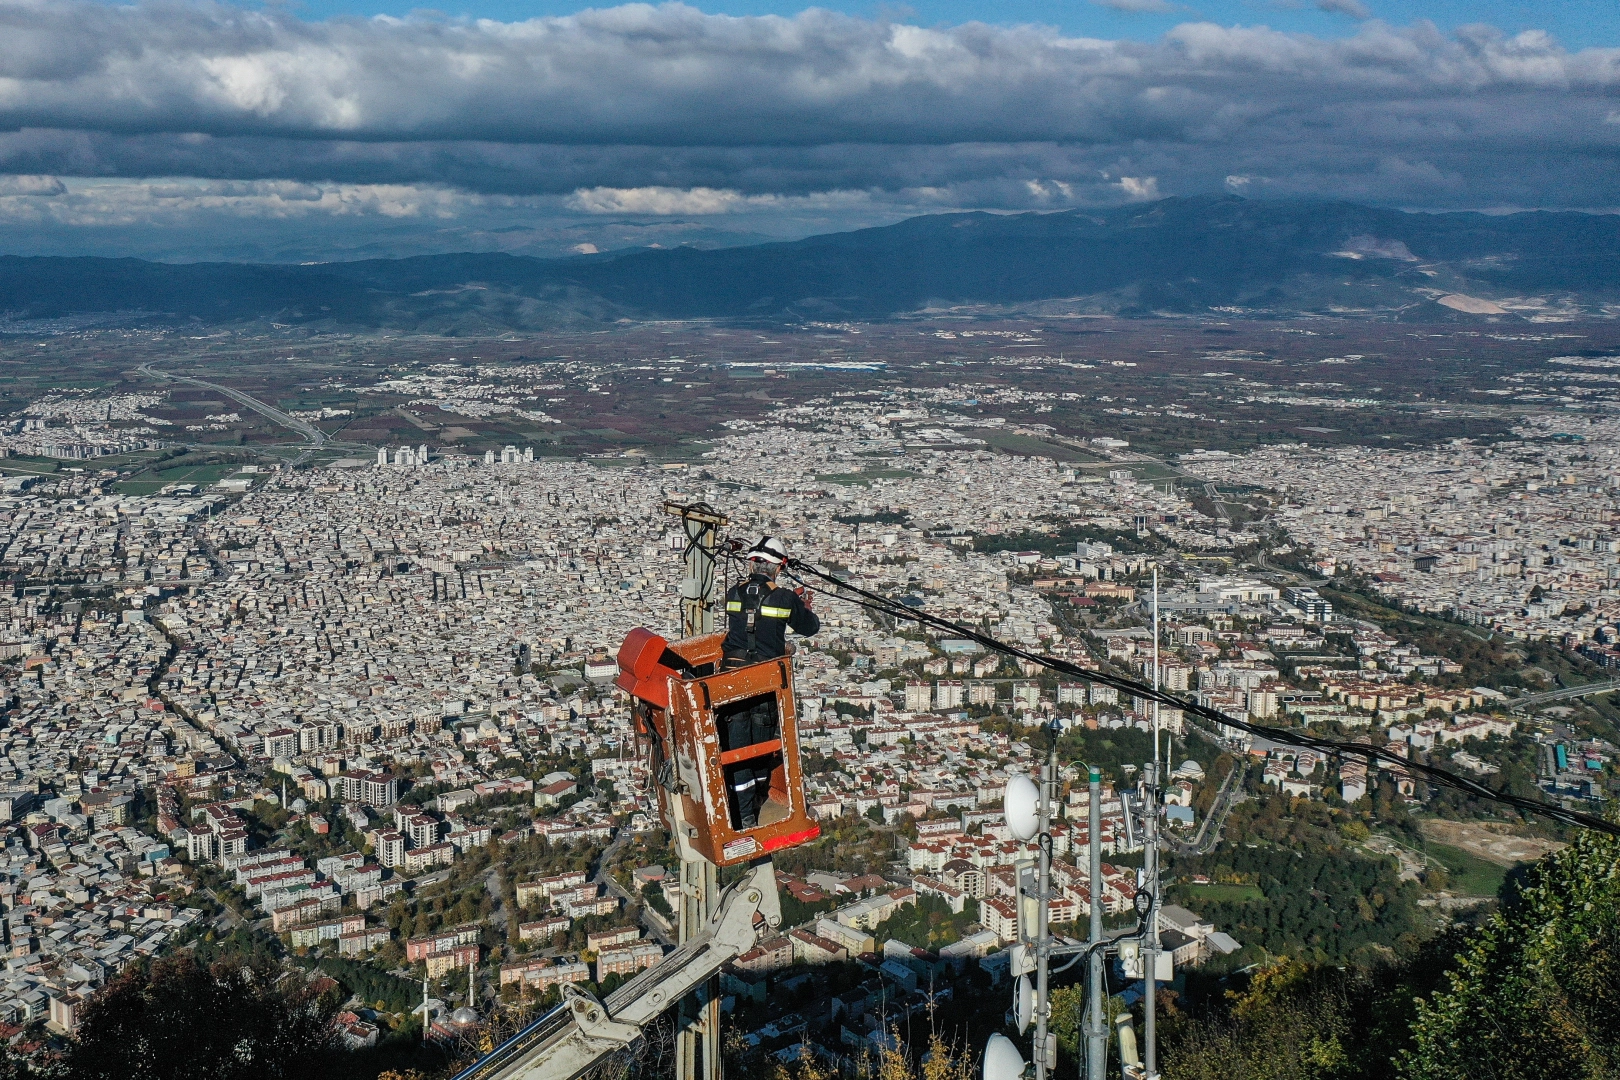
803,620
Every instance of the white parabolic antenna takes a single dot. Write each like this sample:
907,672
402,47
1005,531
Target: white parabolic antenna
1002,1061
1023,1003
1021,807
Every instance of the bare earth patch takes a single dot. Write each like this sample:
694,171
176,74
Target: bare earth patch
1491,842
1473,305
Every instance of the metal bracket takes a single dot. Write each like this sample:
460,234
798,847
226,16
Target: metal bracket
766,900
594,1022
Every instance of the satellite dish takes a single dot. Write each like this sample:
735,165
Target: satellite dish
1023,1003
1021,807
1002,1061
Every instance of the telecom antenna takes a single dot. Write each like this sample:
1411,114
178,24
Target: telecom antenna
1045,1042
1096,1027
702,525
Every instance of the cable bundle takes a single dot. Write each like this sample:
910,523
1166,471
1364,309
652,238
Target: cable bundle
854,594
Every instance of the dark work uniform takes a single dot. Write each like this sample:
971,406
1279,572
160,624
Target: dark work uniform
758,614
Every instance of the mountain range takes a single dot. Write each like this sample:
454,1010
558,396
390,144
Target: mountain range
1174,256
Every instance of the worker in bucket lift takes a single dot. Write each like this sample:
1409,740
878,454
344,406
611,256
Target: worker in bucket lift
759,613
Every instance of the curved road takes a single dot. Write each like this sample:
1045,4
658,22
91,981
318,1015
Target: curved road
314,437
1531,701
604,878
1231,793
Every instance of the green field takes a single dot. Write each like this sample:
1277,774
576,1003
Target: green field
195,474
153,480
690,452
29,466
1024,444
1470,875
613,435
1233,894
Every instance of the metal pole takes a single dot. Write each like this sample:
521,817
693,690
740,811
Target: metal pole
1096,1033
1150,807
697,1038
1043,934
700,523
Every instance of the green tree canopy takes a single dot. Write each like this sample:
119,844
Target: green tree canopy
175,1019
1536,992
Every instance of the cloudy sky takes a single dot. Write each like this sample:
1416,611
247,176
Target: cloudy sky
346,128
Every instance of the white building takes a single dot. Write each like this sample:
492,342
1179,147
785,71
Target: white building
1242,590
917,697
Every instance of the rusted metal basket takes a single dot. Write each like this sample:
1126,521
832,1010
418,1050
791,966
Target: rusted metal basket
724,742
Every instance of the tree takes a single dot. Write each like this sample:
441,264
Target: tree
1291,1024
892,1061
653,894
175,1019
1536,991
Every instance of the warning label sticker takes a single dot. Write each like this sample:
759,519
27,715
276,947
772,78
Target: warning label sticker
740,847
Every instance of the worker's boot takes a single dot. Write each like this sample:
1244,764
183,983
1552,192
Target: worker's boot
773,811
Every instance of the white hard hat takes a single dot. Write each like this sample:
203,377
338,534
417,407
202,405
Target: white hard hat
769,549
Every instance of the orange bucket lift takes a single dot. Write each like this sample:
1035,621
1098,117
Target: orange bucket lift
723,746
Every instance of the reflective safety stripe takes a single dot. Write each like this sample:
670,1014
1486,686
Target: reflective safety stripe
733,605
775,612
743,785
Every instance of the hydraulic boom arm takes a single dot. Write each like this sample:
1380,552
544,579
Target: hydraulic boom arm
580,1032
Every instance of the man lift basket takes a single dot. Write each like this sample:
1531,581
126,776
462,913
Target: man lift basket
725,743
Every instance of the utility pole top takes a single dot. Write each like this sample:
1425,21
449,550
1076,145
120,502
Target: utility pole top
699,512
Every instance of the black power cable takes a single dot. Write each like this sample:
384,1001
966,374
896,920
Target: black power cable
1337,749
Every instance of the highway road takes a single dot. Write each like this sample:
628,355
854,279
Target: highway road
1569,693
314,437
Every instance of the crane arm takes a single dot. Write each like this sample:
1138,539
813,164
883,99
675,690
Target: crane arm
580,1032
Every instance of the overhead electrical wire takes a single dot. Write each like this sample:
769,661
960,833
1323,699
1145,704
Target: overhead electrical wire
854,594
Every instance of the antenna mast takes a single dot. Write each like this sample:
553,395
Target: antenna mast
697,1038
1150,810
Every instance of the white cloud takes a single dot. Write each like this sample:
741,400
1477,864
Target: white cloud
661,200
126,202
30,185
1140,188
674,76
1047,190
664,201
665,111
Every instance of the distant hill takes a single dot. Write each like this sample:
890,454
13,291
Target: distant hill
1171,256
